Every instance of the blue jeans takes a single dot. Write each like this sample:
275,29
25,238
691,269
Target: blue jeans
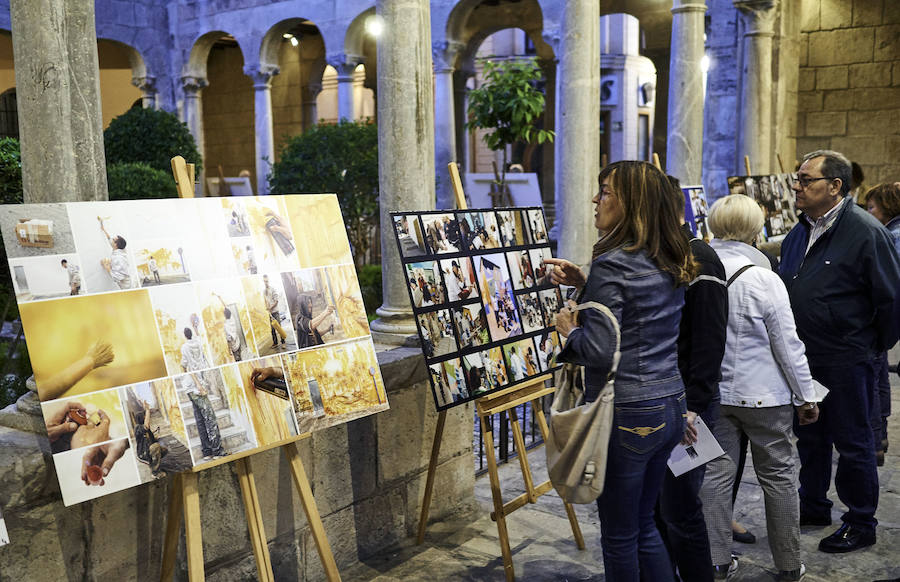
844,423
882,411
643,435
680,519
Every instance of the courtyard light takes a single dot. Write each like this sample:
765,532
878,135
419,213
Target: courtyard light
374,25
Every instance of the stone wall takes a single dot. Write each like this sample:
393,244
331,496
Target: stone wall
367,476
849,96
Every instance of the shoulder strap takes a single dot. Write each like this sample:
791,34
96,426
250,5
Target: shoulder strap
738,274
615,325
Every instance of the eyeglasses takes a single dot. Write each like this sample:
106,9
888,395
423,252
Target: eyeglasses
805,181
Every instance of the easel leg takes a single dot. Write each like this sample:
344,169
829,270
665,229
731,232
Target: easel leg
192,528
173,528
523,456
570,511
429,480
312,512
497,496
254,521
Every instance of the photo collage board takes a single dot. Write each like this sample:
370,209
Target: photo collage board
165,334
696,210
482,298
775,197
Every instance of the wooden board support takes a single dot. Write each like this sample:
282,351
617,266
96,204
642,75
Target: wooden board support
497,403
747,165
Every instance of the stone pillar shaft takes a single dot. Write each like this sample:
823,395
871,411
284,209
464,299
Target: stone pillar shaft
755,139
548,164
577,139
58,95
346,108
684,149
262,116
310,108
444,135
405,145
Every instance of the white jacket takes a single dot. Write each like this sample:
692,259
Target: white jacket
765,362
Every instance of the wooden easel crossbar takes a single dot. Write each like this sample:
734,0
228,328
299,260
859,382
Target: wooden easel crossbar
486,406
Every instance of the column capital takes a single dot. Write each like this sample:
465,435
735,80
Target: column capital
261,75
192,85
444,54
681,6
552,38
758,16
344,63
146,84
311,91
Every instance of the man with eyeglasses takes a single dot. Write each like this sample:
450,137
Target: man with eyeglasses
843,278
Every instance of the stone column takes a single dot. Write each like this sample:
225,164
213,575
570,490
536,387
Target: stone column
149,92
460,115
58,94
577,136
310,109
262,115
684,149
405,145
191,110
548,163
755,138
345,65
444,54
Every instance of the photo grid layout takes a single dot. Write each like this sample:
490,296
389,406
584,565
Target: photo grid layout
481,293
166,334
774,195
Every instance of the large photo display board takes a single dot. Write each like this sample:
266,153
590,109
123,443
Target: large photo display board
775,196
165,334
482,298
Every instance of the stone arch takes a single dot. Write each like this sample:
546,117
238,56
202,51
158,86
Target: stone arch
357,41
272,41
135,58
124,78
199,55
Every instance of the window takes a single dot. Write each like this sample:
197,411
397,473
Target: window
9,115
643,137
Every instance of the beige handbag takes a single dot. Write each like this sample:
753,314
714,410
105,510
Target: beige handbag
578,442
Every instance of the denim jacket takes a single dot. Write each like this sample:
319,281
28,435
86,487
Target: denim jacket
648,306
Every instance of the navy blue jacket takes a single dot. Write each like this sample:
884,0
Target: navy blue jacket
845,293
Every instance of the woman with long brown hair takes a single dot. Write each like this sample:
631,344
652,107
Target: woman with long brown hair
639,269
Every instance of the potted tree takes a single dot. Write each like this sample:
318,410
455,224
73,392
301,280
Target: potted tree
509,104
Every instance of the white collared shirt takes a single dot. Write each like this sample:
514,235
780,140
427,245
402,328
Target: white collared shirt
820,226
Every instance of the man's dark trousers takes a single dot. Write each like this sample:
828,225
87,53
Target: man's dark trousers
843,422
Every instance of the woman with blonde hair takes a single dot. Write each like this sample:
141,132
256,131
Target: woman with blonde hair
639,270
764,376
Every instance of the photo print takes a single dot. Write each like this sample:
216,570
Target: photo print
436,328
448,381
181,329
96,470
244,256
541,269
521,356
323,310
548,347
442,233
102,235
335,384
265,390
536,226
425,286
410,235
91,342
497,294
484,371
348,300
156,427
471,325
552,303
237,224
38,278
321,234
775,197
80,421
273,241
36,230
512,228
696,211
521,269
161,262
216,416
270,317
459,279
478,230
227,321
530,308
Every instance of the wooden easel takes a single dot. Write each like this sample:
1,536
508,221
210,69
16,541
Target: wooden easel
184,496
496,403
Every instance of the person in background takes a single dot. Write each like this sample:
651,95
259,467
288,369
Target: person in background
857,186
74,274
639,270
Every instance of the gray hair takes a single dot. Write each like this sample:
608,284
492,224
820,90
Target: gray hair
834,165
736,217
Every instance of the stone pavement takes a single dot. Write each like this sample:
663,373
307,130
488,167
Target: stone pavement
466,548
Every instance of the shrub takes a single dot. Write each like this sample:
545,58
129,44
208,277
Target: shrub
150,136
342,159
10,171
370,285
135,180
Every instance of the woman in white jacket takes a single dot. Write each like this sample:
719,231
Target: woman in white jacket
764,376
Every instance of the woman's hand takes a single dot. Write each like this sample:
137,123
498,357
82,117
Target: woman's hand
565,273
565,321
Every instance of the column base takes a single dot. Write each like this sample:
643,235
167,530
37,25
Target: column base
394,327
